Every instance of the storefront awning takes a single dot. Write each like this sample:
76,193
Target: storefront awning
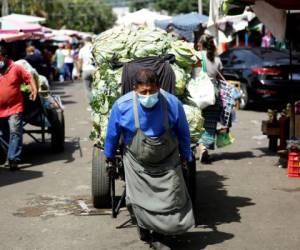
16,26
11,37
279,4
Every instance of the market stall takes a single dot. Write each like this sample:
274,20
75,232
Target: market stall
286,128
185,24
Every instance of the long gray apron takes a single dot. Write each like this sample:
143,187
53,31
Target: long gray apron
154,181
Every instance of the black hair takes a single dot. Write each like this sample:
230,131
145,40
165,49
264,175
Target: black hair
3,51
146,76
207,42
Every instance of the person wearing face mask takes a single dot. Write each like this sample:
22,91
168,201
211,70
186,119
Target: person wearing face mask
11,105
156,135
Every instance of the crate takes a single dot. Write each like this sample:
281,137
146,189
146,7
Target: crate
294,164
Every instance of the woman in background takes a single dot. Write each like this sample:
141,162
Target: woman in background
212,65
69,62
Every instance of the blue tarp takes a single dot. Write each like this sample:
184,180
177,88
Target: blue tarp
184,24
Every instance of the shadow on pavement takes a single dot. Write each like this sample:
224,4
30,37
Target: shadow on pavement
38,153
66,102
213,207
232,155
266,152
7,177
196,240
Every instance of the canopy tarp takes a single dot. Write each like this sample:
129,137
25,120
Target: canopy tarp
11,37
23,18
283,4
10,25
273,18
184,24
237,22
140,17
61,38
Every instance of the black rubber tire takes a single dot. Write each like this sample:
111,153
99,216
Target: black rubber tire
189,175
100,180
244,100
57,121
3,155
192,179
144,234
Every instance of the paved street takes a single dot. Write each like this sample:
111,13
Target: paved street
244,200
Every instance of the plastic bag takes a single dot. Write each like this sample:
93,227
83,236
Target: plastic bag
202,91
224,139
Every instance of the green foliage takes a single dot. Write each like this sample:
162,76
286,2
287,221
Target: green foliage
184,6
84,15
135,5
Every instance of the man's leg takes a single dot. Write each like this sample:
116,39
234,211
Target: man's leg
4,138
15,122
4,128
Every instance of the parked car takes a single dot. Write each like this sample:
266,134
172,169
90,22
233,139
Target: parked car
265,74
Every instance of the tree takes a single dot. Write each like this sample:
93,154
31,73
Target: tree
135,5
84,15
183,6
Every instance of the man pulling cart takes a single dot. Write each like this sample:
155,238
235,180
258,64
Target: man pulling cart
156,138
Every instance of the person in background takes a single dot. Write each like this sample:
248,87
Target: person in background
86,66
267,40
34,58
211,114
59,60
156,135
68,62
76,60
47,57
11,105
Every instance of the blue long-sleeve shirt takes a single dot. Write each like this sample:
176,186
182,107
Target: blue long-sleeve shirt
121,121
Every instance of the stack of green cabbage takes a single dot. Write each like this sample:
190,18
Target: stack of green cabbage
126,43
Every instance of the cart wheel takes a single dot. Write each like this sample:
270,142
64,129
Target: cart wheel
244,100
3,154
57,121
189,175
191,179
100,180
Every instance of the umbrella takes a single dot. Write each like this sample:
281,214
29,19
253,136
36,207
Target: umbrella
23,18
285,4
61,38
184,24
11,37
9,25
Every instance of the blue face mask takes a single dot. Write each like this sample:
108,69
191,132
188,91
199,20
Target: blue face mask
148,101
2,64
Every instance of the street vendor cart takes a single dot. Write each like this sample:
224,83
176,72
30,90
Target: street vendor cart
104,175
43,116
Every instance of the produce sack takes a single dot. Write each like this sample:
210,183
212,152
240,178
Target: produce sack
224,139
202,91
